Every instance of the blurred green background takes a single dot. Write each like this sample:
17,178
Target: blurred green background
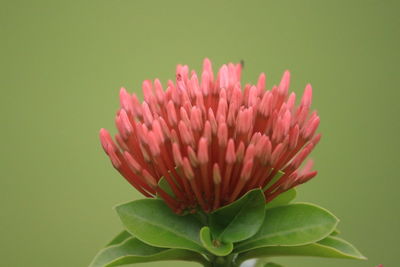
62,64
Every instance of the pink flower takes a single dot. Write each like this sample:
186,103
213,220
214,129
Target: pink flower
211,139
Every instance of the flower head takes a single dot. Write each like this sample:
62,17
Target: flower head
213,140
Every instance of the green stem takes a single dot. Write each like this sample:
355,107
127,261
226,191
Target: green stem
226,261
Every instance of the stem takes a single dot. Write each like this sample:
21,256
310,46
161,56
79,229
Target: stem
226,261
201,217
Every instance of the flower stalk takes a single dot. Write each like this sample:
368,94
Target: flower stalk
226,261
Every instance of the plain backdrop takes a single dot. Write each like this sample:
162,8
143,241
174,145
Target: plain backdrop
62,64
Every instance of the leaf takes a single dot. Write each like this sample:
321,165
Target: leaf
151,221
342,246
132,250
164,185
239,220
291,225
282,199
335,232
216,247
329,247
278,175
119,238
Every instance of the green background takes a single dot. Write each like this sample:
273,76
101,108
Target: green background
62,64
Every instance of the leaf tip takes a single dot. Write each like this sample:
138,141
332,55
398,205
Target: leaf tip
216,247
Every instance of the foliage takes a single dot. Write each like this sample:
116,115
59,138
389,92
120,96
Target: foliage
243,230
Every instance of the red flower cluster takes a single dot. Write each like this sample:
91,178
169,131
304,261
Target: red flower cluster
211,140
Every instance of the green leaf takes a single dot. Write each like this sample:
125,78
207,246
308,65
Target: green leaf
151,221
342,246
132,250
329,247
216,247
239,220
278,175
119,238
291,225
282,199
164,185
335,232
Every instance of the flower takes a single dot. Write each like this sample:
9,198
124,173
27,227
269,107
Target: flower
212,141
